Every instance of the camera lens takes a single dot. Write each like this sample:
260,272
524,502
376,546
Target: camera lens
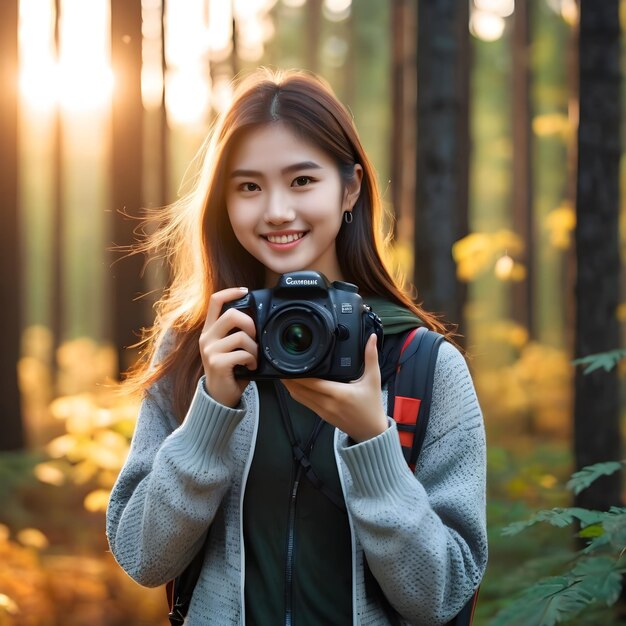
297,338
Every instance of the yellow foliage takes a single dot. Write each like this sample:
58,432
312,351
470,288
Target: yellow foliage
507,269
551,124
85,427
34,377
32,538
548,481
504,239
61,446
22,585
621,312
107,458
112,440
88,449
560,223
50,473
106,479
84,471
37,342
481,252
77,410
399,257
508,333
39,589
98,421
36,382
97,500
7,605
537,387
472,255
75,376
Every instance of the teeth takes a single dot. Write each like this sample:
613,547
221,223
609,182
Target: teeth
284,238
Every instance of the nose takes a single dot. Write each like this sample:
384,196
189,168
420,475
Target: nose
278,209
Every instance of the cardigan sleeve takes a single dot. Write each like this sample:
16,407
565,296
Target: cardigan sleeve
424,535
171,485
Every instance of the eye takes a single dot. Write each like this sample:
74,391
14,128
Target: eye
248,187
301,181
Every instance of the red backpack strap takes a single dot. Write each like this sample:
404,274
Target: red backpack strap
410,391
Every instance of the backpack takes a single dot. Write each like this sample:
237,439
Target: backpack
409,395
408,402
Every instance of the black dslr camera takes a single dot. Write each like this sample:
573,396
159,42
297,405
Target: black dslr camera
308,327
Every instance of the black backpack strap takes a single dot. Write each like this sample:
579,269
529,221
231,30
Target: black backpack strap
466,615
180,590
409,399
410,389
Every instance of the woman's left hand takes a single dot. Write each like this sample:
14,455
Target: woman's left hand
355,408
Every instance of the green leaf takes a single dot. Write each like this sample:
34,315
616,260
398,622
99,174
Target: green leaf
582,479
591,532
613,532
558,517
597,544
600,578
604,360
548,602
615,528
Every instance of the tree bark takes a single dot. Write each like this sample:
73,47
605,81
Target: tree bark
522,292
442,153
128,312
403,86
314,34
58,222
596,411
11,427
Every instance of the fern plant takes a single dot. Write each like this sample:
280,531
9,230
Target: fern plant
594,574
593,577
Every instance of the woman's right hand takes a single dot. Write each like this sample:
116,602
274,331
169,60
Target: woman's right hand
227,340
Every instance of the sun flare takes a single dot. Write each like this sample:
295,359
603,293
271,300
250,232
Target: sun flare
75,74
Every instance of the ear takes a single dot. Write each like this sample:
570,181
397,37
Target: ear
353,189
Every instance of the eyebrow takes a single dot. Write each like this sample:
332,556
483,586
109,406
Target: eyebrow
295,167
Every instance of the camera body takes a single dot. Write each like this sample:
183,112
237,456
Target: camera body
309,327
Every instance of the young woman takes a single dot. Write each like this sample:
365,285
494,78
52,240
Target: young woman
285,185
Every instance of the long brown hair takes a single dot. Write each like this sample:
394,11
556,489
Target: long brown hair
204,255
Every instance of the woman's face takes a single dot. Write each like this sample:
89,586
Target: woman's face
285,201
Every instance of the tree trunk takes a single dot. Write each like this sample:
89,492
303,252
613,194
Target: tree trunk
58,222
442,153
11,427
596,412
522,300
403,117
314,34
128,311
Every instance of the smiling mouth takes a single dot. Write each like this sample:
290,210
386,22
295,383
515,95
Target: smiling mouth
284,238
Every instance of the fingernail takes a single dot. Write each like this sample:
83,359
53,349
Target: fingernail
243,289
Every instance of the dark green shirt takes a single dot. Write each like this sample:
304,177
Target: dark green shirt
321,589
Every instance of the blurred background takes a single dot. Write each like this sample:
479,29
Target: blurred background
496,127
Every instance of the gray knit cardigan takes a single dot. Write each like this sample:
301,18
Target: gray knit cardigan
424,535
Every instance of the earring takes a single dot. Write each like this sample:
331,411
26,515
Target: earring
348,217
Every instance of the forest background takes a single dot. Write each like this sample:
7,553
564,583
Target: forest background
496,128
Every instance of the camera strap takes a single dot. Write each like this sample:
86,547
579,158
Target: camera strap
301,453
